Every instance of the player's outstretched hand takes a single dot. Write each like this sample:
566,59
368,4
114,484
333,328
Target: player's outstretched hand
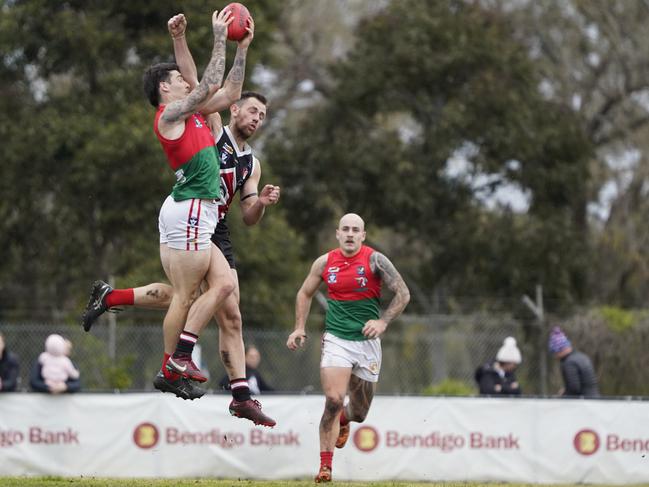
220,22
247,39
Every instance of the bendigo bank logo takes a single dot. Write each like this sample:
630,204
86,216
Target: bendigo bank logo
586,442
366,438
146,435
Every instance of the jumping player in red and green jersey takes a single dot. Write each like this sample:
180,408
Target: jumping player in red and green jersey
240,172
189,214
351,345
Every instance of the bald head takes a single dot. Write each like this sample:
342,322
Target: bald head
351,219
350,234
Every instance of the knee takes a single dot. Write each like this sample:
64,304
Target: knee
358,416
221,288
224,288
183,300
334,405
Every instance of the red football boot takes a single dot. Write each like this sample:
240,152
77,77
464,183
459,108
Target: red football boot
251,409
186,367
343,435
324,475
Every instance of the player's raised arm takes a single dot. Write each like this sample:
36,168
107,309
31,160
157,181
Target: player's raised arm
177,26
179,110
233,84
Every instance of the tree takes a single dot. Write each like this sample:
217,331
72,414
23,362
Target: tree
592,61
84,176
426,83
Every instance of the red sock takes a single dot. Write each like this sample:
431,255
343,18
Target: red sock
326,457
166,372
343,418
120,297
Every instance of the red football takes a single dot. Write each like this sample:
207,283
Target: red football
237,29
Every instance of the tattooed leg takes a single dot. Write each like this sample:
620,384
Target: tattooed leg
153,296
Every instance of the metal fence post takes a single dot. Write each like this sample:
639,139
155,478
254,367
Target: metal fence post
537,310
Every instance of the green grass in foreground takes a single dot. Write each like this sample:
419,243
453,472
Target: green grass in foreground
103,482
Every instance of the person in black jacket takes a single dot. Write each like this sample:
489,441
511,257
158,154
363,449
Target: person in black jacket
577,370
9,368
498,378
255,381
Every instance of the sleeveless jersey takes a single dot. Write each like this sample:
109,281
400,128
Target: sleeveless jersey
194,159
354,293
236,168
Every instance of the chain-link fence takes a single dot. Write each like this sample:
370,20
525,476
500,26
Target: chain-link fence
432,354
418,352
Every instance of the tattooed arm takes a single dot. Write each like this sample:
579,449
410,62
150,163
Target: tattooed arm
303,302
231,90
382,266
172,120
233,85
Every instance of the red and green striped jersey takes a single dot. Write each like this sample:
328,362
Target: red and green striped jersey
354,293
194,159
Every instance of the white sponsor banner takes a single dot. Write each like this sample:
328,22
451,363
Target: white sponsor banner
403,438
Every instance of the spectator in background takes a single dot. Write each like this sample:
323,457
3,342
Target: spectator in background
256,383
498,378
9,368
577,370
54,372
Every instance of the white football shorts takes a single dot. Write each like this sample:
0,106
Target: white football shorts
188,224
363,357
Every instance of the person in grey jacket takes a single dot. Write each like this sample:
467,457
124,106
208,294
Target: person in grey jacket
579,376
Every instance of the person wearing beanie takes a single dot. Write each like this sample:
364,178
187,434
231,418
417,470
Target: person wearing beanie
498,378
577,370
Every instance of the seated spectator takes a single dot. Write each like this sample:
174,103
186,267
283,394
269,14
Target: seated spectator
9,368
576,368
498,378
54,372
256,383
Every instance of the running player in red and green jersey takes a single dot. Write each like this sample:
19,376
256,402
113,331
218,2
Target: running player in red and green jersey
351,345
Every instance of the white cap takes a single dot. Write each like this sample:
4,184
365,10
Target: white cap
509,352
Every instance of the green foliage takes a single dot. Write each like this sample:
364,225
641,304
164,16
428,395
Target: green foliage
449,387
117,375
457,85
84,174
617,319
98,369
269,267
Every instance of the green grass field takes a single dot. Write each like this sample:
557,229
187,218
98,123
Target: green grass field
96,482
